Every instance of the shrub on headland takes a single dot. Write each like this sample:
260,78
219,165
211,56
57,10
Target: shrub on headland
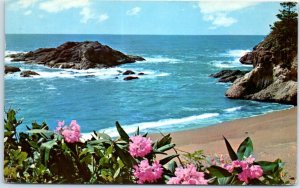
40,155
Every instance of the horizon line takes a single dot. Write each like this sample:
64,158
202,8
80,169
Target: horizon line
137,34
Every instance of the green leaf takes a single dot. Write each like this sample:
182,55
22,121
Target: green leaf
167,159
122,133
224,180
231,152
164,141
165,147
138,131
117,173
245,149
172,166
46,147
104,161
40,131
218,172
268,167
126,158
255,182
103,135
109,150
100,141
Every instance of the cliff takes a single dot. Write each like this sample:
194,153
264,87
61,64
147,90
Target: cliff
273,77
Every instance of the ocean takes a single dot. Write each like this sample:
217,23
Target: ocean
176,92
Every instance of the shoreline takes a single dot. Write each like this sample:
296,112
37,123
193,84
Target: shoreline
274,135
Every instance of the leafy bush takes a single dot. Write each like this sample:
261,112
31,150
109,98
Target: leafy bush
40,155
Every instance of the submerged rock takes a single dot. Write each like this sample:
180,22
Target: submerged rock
130,78
77,55
28,73
10,69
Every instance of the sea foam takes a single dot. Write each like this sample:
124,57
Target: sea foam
155,124
233,109
159,59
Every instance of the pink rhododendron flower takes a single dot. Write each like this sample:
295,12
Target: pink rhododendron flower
188,175
139,146
244,175
60,124
249,171
147,173
250,159
70,133
255,172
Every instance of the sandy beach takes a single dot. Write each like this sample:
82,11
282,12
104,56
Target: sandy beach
274,135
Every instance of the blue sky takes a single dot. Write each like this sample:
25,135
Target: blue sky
139,17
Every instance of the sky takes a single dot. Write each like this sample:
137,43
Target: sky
223,17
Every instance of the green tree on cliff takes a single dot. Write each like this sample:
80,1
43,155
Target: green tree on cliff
285,31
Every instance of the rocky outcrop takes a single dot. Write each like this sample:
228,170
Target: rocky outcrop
77,55
228,75
128,72
247,58
10,69
272,78
28,73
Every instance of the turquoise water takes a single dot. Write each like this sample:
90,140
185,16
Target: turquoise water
175,94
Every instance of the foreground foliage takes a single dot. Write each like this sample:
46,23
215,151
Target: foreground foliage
40,155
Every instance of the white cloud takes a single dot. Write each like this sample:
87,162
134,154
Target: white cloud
54,6
28,12
86,15
217,12
134,11
103,17
26,3
208,7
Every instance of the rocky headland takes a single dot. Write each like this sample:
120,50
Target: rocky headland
274,74
273,77
77,55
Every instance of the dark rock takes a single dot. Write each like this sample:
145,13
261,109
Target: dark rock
247,59
137,58
141,73
131,78
77,55
28,73
128,72
228,75
10,69
228,79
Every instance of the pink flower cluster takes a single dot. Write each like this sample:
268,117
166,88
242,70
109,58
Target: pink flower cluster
139,146
70,133
249,171
147,173
188,175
